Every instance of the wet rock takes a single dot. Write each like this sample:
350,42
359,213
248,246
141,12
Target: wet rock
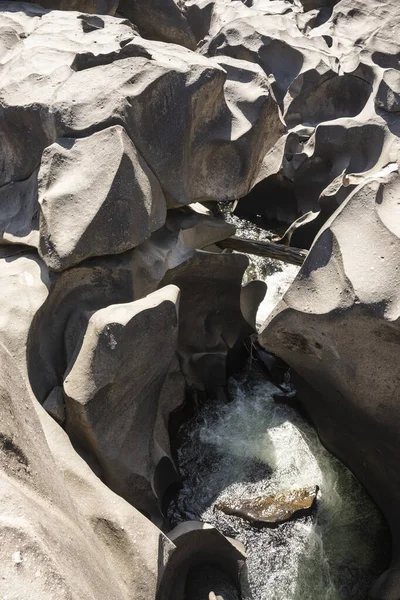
273,510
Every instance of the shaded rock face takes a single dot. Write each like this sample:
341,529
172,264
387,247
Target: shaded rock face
112,388
273,510
204,563
161,20
337,326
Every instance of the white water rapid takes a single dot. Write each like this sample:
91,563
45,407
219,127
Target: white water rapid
254,446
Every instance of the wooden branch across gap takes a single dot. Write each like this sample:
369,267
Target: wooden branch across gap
295,256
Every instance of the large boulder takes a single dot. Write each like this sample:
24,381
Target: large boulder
66,301
118,199
112,387
338,328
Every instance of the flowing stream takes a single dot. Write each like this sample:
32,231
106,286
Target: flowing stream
254,446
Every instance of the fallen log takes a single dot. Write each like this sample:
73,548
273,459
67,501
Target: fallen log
295,256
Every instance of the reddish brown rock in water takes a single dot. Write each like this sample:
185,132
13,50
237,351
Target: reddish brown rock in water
276,509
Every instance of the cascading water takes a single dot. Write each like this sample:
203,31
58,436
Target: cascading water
254,446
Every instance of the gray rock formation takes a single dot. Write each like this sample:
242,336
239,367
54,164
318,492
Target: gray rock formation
199,545
112,386
118,199
64,534
337,326
116,120
338,97
161,20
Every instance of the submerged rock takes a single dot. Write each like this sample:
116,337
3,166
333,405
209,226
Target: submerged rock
275,509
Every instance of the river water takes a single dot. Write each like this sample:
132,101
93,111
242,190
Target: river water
254,446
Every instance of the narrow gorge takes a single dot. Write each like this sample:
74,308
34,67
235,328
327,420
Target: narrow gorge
200,316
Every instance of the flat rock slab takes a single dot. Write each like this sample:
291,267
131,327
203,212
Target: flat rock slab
273,510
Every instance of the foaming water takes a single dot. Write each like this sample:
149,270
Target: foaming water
253,447
278,282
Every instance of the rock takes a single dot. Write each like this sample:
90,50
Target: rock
196,229
19,218
161,20
212,596
332,93
273,510
252,295
112,386
54,405
96,72
24,286
199,544
101,131
337,327
64,534
388,95
208,336
101,7
67,302
119,200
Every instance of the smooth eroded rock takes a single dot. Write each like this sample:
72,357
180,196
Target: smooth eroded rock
97,196
112,386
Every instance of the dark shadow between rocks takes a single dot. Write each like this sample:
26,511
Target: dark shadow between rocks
272,200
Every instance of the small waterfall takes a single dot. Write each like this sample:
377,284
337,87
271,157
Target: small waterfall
278,283
253,447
